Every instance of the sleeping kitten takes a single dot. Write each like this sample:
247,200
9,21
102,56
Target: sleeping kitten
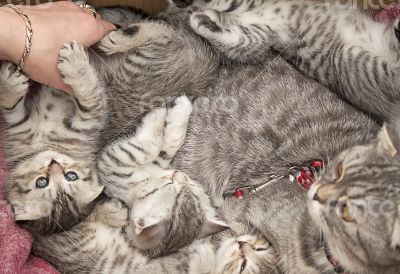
338,45
168,210
51,184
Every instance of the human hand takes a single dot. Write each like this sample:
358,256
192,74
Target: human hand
53,25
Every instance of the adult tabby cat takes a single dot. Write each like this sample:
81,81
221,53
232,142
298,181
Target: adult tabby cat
168,210
332,42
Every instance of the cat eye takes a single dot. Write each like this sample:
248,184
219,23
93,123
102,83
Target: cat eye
261,249
71,176
42,182
346,215
340,172
243,266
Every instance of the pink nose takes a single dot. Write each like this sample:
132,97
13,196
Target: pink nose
54,168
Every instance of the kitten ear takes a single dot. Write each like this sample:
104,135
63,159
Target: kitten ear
146,231
89,194
395,240
389,137
210,226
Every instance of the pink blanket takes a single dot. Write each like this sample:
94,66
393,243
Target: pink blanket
15,243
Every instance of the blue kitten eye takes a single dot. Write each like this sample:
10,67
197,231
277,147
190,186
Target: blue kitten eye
42,182
71,176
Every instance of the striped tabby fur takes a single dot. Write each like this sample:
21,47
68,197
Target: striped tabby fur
332,42
167,210
112,92
51,183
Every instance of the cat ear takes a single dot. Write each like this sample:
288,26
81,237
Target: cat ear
395,241
389,137
88,195
146,231
210,226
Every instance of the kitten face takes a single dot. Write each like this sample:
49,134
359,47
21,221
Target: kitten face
166,206
246,254
357,203
51,189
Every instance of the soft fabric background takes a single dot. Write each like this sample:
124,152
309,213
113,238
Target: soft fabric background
15,243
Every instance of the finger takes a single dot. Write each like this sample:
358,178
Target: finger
59,84
107,26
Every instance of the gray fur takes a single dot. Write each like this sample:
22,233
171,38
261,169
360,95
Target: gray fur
242,132
333,42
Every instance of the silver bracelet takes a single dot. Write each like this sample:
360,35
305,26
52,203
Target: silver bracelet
29,34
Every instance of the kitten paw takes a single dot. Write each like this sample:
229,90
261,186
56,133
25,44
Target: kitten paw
73,62
13,85
112,213
180,111
206,23
154,121
397,28
118,40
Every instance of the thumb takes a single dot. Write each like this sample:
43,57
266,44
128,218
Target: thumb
107,26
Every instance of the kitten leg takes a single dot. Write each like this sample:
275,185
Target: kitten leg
13,88
240,36
91,100
175,130
128,160
142,35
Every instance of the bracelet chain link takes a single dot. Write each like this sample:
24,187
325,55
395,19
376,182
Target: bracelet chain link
29,35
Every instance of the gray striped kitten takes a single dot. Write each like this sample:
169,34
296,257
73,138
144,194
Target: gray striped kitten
167,210
332,42
50,139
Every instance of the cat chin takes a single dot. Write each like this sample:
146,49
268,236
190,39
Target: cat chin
314,207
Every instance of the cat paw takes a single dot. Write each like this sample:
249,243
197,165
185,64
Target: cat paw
13,85
397,28
73,62
118,40
206,23
154,121
112,213
180,110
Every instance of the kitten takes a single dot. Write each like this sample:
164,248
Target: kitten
332,42
168,210
52,139
51,184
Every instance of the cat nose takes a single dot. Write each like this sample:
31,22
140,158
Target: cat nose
54,168
244,246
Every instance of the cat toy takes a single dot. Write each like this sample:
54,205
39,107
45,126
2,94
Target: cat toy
303,176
